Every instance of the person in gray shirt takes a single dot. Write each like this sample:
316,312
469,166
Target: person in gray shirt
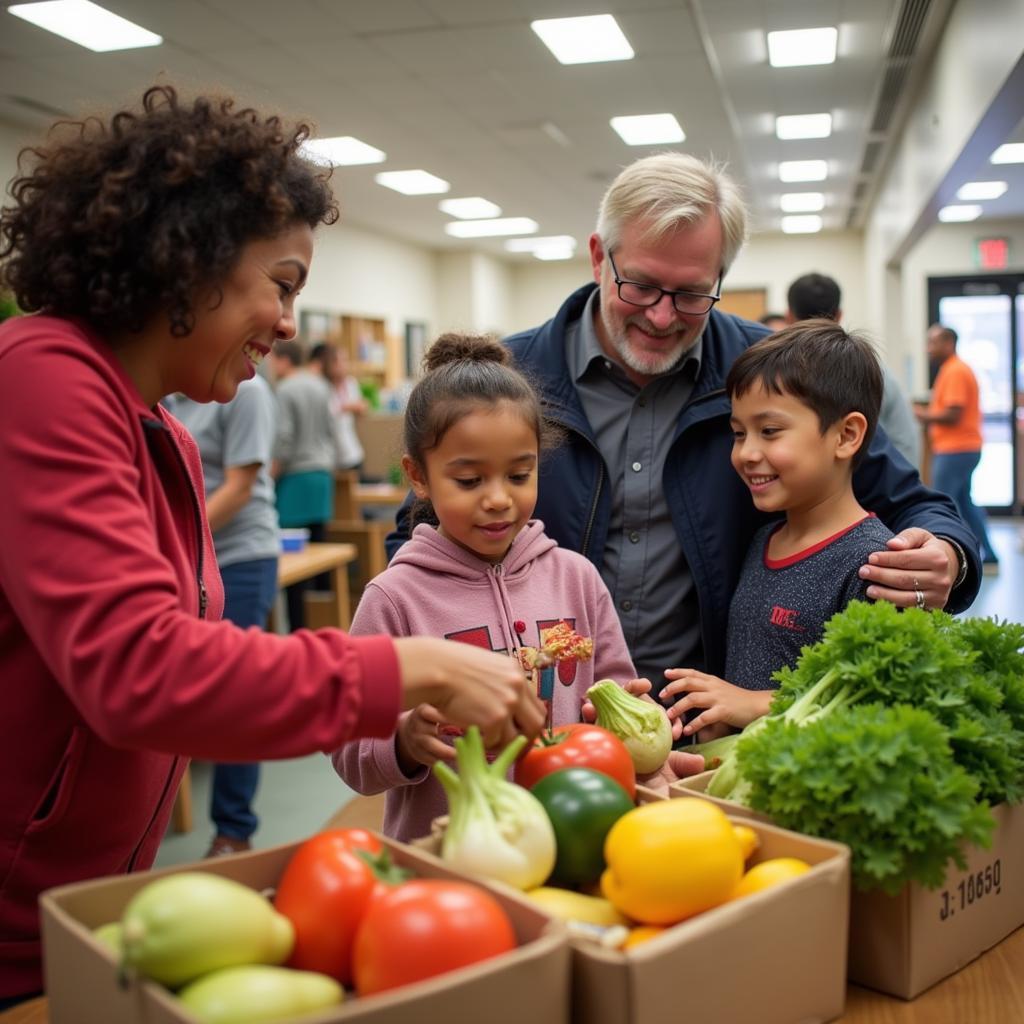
818,295
805,402
235,440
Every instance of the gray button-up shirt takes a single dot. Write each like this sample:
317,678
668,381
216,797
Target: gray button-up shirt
644,568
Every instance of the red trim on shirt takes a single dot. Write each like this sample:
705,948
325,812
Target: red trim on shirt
799,556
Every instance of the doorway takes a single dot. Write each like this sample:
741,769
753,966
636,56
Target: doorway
987,312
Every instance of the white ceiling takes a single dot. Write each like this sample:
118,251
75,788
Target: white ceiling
465,89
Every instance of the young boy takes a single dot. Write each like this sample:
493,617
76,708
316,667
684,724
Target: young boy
805,403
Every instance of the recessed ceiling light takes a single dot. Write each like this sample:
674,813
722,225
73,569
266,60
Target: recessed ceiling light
540,241
975,190
648,129
803,126
802,202
469,208
803,170
412,183
1009,153
341,151
953,214
583,40
86,24
554,252
803,225
802,47
485,228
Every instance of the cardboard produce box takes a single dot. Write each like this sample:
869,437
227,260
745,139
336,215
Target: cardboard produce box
777,957
529,984
906,943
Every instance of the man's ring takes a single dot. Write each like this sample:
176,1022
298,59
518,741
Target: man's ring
919,598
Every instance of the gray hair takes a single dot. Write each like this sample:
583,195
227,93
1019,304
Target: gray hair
668,190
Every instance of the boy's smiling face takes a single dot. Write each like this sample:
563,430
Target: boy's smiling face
782,455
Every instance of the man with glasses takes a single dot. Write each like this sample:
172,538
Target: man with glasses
634,369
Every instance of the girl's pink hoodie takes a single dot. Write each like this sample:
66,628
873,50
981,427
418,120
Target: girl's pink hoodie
433,587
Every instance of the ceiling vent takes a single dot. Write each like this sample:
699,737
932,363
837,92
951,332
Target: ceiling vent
869,161
37,106
902,47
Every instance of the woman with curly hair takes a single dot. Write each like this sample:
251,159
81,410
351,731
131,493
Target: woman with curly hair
160,250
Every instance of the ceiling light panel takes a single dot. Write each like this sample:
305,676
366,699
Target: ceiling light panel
540,241
490,228
957,214
975,190
803,126
86,24
469,208
805,224
412,183
1009,153
803,170
648,129
586,40
802,47
342,151
802,202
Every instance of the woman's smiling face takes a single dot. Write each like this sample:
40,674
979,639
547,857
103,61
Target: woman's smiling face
237,324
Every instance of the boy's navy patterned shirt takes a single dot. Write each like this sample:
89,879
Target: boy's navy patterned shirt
781,606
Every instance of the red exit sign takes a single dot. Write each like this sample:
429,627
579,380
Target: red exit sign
992,253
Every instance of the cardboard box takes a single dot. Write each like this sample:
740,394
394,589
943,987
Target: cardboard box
696,785
529,984
906,943
777,957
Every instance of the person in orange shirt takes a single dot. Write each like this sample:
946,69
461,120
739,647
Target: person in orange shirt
954,429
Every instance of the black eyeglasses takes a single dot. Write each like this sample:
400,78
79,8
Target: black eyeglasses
637,294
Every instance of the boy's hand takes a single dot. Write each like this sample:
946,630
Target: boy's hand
678,765
417,741
722,701
916,561
638,688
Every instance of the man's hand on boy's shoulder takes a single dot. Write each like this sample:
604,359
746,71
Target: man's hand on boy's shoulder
917,561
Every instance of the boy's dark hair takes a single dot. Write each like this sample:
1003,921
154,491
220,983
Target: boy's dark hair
464,373
814,295
290,350
121,218
322,352
830,370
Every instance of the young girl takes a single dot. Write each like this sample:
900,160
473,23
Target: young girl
485,575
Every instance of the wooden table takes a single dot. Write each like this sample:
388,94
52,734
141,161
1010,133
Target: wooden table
988,991
350,527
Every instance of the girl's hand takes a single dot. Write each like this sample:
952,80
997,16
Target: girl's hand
722,701
678,765
638,688
417,739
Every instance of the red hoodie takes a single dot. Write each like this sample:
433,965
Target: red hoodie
108,674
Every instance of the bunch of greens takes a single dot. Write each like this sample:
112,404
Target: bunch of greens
968,674
880,779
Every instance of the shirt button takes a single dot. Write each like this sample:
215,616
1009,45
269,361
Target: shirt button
626,605
637,467
634,537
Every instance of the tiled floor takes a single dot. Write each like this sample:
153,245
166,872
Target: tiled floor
297,797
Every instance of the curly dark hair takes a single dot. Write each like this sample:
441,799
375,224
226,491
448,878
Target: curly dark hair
123,218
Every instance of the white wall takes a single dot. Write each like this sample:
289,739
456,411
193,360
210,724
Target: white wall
12,138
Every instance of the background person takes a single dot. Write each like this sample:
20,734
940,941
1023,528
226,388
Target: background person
235,441
633,368
347,402
162,248
954,430
817,295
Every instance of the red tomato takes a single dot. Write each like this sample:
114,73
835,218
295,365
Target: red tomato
324,892
424,928
577,746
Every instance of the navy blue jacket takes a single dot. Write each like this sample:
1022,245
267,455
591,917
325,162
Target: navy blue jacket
711,507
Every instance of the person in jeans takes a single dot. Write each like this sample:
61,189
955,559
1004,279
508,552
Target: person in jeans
235,442
954,428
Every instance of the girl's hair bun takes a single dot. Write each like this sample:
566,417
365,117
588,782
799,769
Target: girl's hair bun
473,348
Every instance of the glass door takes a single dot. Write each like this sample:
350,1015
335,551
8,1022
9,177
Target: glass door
987,314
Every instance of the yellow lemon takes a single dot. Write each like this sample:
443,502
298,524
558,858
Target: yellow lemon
769,873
